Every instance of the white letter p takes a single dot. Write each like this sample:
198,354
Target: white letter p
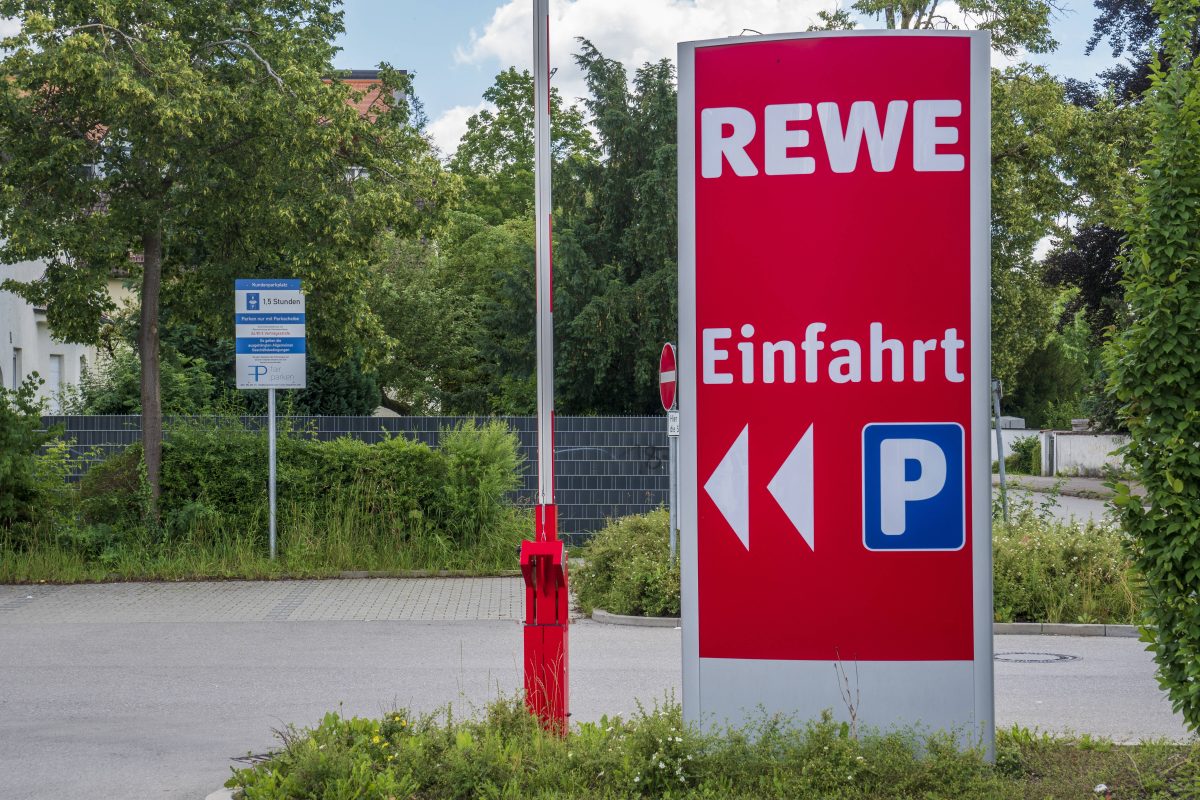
895,490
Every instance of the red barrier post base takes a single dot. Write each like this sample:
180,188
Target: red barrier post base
544,568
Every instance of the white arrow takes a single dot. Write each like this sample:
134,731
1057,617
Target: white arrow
792,487
729,486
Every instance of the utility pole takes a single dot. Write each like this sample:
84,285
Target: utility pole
544,560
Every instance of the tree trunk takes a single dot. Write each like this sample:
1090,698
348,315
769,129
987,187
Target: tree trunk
152,422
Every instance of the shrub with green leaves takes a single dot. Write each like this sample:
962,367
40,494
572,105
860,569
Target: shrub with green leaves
505,753
342,505
627,568
33,488
1026,457
1050,571
1044,570
1155,365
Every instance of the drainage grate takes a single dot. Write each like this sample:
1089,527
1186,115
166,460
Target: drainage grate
1035,658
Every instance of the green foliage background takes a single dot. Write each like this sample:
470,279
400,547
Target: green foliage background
1043,570
343,504
1155,365
502,751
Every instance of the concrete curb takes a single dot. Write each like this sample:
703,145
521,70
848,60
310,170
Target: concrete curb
345,574
600,615
221,794
423,573
1065,629
998,628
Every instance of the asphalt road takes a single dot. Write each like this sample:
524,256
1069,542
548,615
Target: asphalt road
148,690
1064,507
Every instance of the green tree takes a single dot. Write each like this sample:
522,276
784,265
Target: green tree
615,258
1155,366
1053,162
495,156
203,137
430,313
495,264
1014,24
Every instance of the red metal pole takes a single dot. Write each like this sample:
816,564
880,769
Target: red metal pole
544,560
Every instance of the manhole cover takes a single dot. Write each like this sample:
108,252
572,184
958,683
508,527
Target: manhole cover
1034,658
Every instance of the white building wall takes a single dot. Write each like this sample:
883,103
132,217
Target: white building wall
1010,436
27,343
1088,454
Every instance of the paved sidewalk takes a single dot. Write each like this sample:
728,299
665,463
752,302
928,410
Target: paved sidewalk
374,599
1093,488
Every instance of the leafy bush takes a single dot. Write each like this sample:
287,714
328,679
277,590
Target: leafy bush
1026,457
1155,364
1043,570
627,568
113,385
197,377
32,470
1049,571
504,753
343,505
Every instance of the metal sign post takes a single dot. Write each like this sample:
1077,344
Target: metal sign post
673,466
271,461
997,393
666,393
544,560
270,353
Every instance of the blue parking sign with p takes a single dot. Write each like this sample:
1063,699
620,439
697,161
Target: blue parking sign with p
914,487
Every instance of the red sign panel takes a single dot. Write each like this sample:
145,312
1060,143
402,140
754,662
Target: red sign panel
835,360
666,376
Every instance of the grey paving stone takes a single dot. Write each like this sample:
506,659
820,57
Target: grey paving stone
391,599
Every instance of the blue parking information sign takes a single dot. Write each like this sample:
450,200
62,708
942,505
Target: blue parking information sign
914,489
269,331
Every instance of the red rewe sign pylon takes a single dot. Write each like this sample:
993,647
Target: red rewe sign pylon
544,560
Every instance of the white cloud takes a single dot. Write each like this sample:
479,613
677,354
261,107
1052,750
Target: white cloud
636,31
631,31
10,25
448,129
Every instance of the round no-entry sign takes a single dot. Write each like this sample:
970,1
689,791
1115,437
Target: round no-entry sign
666,376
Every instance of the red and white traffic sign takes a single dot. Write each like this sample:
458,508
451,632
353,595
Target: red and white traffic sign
666,376
834,333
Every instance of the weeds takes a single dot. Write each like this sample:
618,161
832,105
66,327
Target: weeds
503,752
1050,571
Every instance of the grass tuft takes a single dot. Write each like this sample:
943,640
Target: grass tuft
504,753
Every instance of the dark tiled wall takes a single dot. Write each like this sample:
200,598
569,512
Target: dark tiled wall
605,466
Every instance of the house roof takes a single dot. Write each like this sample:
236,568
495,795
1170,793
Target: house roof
365,81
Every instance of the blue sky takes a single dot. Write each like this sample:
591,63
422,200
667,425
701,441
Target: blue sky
456,47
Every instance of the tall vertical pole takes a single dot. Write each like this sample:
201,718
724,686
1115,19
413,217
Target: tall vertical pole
673,493
1000,450
546,525
544,560
271,460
